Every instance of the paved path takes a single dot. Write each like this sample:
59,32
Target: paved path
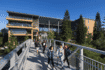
35,62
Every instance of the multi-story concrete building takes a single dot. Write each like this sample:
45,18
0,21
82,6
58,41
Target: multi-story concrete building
20,23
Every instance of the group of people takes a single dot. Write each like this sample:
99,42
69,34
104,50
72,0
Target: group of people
61,54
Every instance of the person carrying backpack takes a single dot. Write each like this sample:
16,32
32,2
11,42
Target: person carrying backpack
44,46
60,55
67,53
50,55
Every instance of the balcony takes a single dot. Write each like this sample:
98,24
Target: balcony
21,33
36,28
19,26
19,18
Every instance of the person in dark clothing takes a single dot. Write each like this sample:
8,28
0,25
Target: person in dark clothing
44,46
50,55
67,53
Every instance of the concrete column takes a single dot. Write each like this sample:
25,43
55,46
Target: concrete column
58,27
54,46
50,42
32,34
81,59
49,25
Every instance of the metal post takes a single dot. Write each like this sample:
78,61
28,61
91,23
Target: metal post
54,46
49,25
58,27
81,57
62,45
50,42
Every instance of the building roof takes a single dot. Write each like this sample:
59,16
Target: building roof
23,13
88,18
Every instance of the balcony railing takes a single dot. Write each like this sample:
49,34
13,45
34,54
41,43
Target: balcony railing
20,32
19,17
19,25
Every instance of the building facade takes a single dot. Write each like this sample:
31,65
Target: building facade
89,23
20,24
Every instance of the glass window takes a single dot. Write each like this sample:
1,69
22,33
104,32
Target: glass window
88,27
88,21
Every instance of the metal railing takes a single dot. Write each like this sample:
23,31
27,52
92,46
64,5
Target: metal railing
78,60
27,25
16,59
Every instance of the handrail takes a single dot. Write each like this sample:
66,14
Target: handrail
4,60
84,47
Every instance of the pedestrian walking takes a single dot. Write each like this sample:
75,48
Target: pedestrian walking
37,46
50,55
67,52
44,46
60,55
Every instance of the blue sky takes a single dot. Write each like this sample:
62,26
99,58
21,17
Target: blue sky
52,8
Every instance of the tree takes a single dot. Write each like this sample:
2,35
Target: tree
81,31
66,27
26,37
69,30
88,39
64,34
98,22
12,42
51,35
95,32
66,16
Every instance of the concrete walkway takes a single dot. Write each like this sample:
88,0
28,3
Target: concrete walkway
35,62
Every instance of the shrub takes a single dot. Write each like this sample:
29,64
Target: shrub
1,41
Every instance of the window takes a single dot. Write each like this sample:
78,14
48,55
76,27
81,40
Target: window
88,21
88,27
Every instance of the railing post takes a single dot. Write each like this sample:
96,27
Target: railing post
62,44
81,59
50,42
54,46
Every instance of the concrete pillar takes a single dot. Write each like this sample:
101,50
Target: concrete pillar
58,27
50,42
32,34
81,59
54,46
49,25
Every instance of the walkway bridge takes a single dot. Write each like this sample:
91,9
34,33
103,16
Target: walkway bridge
24,58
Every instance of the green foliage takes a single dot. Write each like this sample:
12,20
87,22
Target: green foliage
66,16
26,37
51,35
6,50
95,32
65,31
66,28
1,41
88,39
1,35
81,32
69,30
98,21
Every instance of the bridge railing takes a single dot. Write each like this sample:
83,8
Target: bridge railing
16,59
78,60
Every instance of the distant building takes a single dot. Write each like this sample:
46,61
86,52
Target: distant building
89,23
